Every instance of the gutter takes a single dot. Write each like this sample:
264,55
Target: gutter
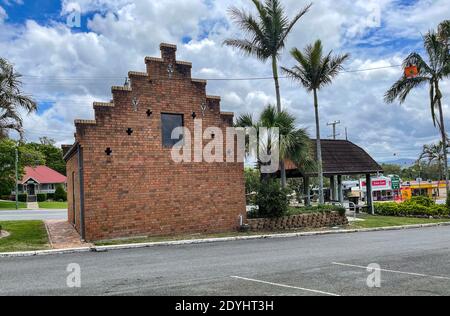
71,152
99,249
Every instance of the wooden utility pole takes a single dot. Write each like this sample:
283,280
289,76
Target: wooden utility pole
334,128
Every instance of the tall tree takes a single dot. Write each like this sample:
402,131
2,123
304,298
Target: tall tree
27,157
434,154
294,143
314,70
431,73
12,100
53,155
266,37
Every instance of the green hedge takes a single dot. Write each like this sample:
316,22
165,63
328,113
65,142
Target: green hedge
23,197
411,208
42,197
60,194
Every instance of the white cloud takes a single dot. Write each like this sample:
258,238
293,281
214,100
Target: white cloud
13,2
73,69
3,15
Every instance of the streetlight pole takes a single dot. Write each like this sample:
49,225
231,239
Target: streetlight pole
17,177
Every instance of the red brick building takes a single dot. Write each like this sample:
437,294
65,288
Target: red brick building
122,180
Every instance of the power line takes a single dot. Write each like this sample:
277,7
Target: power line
75,78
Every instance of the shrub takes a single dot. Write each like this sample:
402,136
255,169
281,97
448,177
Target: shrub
271,199
51,196
41,197
411,208
5,197
318,209
387,209
23,197
439,210
60,194
421,200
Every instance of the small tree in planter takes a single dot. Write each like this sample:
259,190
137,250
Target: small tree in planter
272,199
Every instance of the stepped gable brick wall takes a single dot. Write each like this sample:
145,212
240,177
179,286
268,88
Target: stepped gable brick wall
137,190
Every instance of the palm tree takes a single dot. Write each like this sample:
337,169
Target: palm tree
444,31
434,154
314,71
266,36
11,100
294,143
431,73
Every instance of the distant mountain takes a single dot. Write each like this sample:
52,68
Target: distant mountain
401,162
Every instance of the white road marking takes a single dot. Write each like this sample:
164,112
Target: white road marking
394,271
285,286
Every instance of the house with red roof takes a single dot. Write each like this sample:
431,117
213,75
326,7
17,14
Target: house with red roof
41,179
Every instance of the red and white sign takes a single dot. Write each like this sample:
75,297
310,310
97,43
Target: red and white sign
378,184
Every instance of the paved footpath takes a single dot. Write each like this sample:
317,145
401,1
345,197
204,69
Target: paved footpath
26,215
413,262
62,235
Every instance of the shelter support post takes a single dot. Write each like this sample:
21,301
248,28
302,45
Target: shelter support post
369,194
306,191
332,189
340,189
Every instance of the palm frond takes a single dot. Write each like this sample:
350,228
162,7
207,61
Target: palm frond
313,69
247,47
293,22
297,74
265,33
248,24
401,89
245,120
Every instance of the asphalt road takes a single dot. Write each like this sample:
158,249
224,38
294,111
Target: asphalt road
26,215
416,263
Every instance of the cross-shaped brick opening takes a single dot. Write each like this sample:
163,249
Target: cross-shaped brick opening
129,131
108,151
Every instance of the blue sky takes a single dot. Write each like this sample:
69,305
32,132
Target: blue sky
67,68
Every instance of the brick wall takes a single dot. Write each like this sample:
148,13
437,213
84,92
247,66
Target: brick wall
138,190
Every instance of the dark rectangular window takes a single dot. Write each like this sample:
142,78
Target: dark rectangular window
169,122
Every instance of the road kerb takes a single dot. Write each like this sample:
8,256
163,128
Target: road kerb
212,240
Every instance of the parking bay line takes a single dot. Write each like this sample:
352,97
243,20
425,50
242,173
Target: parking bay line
393,271
284,285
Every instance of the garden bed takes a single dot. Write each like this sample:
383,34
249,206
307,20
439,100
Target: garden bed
419,207
309,220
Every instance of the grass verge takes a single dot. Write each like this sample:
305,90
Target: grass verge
369,222
53,205
9,205
387,221
24,236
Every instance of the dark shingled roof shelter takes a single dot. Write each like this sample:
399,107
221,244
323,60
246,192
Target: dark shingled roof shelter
340,158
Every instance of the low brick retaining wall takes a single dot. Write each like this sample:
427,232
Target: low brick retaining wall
313,220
